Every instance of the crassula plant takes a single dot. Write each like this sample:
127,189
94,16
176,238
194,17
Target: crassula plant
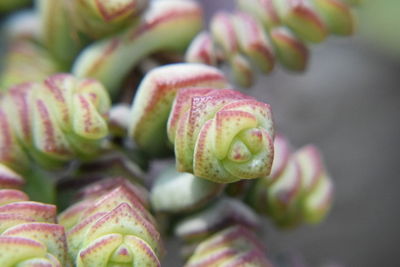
95,93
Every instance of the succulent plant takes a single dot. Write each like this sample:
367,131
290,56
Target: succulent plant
154,99
110,226
10,179
53,121
221,135
234,246
298,189
29,235
166,25
265,29
101,18
64,132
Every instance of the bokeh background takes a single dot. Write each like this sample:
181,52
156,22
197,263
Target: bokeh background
348,103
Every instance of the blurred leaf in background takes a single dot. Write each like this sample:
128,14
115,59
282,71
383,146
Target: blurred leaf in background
379,23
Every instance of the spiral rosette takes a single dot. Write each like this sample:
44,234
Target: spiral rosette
221,135
263,30
28,233
234,246
154,99
52,122
298,189
166,26
112,229
100,18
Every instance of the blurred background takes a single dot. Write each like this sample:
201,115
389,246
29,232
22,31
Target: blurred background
348,103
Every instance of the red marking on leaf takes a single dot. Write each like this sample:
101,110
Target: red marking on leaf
164,86
303,10
285,197
126,210
229,38
49,138
96,246
6,138
314,155
111,47
165,17
280,35
109,15
123,252
282,153
117,196
10,194
205,50
183,96
33,209
87,221
87,114
201,143
87,83
53,84
55,89
270,10
20,95
53,229
20,241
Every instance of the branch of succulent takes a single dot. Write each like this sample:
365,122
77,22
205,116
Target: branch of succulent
233,246
110,226
249,38
29,235
298,189
52,122
166,25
